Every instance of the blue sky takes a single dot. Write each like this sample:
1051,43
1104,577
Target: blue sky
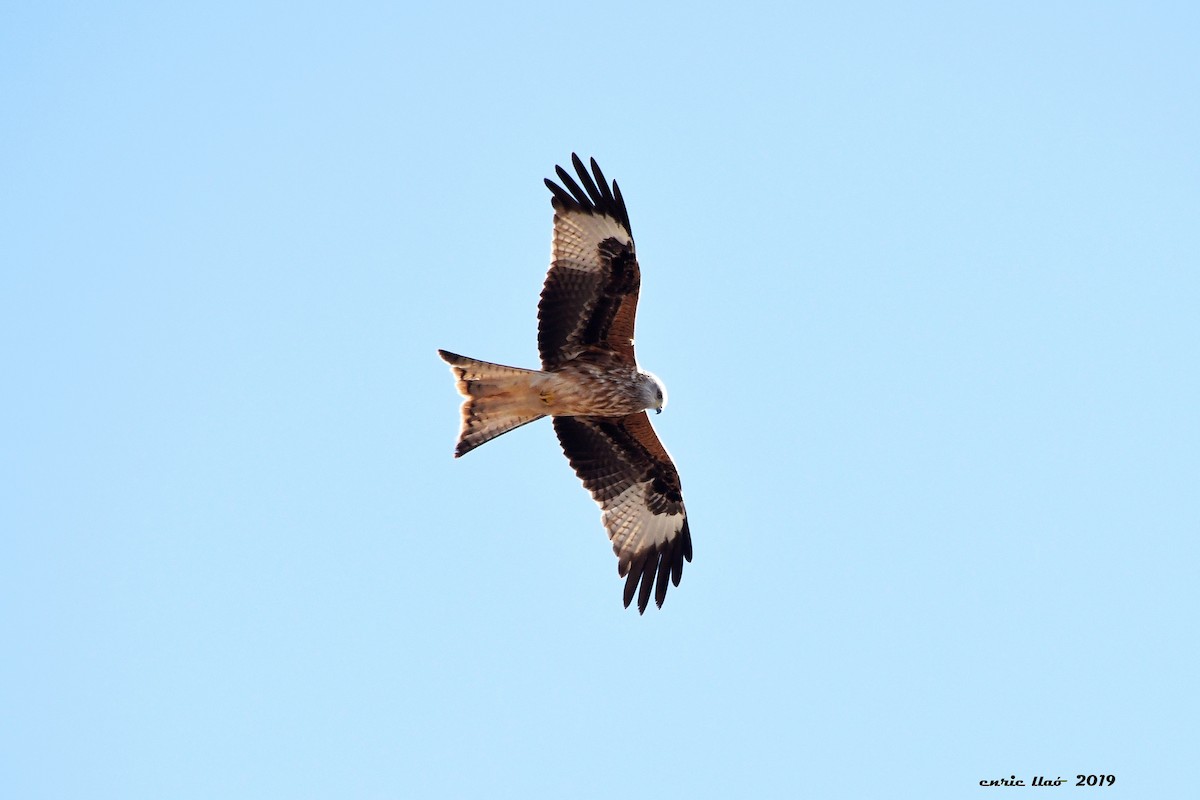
921,280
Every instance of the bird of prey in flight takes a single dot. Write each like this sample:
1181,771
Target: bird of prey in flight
591,387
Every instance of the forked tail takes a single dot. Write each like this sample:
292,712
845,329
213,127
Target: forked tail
498,399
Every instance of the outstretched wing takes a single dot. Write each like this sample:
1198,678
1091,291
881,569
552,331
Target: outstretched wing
625,467
590,296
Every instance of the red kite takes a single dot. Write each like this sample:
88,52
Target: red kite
591,386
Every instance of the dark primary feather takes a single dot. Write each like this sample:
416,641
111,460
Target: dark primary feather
598,199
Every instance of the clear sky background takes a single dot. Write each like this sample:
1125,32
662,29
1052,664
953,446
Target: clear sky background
923,282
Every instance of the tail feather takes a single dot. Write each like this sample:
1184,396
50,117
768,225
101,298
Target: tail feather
498,399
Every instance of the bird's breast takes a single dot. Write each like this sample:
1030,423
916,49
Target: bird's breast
593,390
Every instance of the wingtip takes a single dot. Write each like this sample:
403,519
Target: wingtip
641,604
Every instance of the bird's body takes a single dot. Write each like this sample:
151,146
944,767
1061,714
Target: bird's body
591,386
596,384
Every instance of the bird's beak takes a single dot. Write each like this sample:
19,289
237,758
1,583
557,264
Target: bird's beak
658,411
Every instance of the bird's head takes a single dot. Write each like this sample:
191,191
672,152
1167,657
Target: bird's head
654,392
